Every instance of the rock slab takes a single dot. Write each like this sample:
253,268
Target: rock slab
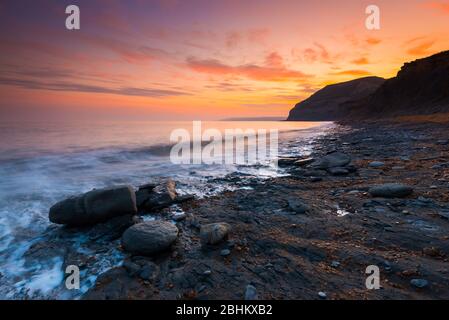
391,190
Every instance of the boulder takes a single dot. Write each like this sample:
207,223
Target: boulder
214,233
391,190
161,196
332,160
98,205
148,238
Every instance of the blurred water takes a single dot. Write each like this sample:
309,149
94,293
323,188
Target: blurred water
42,163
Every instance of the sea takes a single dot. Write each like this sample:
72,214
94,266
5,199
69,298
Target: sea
42,163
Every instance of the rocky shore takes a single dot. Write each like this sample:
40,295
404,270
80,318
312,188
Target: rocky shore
370,194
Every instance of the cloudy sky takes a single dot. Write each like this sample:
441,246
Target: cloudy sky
199,59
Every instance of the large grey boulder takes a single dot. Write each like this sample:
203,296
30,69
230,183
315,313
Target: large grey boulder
93,207
391,190
148,238
332,160
214,233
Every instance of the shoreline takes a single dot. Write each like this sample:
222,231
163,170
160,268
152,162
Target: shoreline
290,255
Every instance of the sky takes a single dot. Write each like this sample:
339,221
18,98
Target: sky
199,59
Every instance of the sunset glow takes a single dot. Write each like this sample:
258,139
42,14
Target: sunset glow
173,59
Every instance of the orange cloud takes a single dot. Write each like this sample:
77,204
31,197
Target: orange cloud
273,71
373,41
421,49
440,6
274,59
360,61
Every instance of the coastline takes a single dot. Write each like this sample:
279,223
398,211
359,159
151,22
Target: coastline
284,254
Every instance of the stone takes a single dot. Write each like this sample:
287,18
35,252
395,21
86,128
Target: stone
338,171
214,233
322,295
335,264
131,267
179,217
304,162
376,164
391,190
297,206
251,293
419,283
332,160
161,196
98,205
286,161
148,238
149,271
225,252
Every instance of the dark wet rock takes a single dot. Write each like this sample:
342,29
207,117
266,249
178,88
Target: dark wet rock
214,233
338,171
286,161
297,206
148,238
148,186
251,293
225,252
335,264
315,179
444,214
161,196
419,283
111,229
179,217
391,190
376,164
149,271
433,252
184,198
332,160
314,173
131,267
304,162
95,206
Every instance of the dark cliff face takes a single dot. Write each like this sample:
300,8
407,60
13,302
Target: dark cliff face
329,103
420,87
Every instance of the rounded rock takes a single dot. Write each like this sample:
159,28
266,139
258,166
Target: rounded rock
150,237
419,283
214,233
